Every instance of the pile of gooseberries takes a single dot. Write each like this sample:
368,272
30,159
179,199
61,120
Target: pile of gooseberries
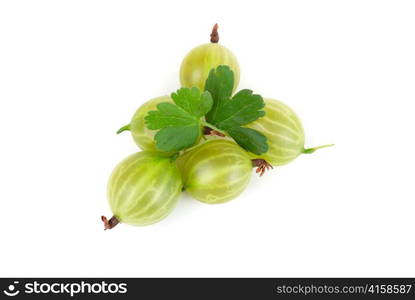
146,186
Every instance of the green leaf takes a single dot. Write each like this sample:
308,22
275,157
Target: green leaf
249,139
220,85
179,124
242,109
230,113
176,138
168,114
192,101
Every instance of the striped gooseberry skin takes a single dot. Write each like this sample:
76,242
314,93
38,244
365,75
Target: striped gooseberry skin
284,132
144,188
199,61
143,136
216,171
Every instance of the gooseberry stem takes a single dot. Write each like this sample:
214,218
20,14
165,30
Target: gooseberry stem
124,128
214,36
314,149
111,223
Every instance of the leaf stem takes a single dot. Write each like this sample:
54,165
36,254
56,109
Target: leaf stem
186,150
174,156
124,128
314,149
204,123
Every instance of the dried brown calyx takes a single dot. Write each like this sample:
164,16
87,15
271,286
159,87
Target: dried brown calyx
111,223
261,165
214,36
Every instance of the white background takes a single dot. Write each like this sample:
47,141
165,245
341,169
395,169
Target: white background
73,72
